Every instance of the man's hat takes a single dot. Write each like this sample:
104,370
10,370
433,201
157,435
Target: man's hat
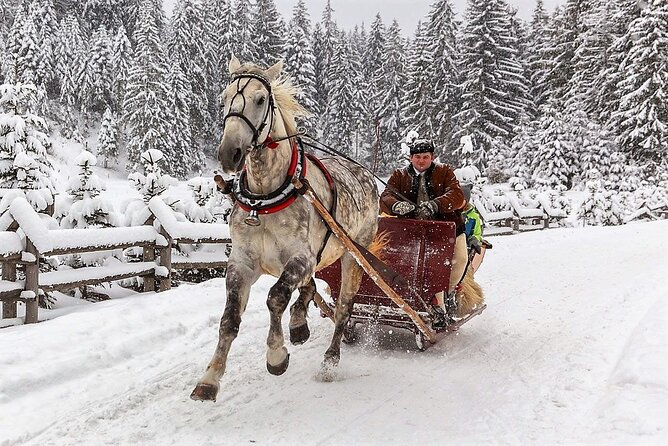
421,146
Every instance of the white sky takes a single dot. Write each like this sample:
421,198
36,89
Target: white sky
348,13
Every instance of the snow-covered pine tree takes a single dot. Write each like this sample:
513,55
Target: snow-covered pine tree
86,208
559,52
12,43
187,49
601,207
523,146
103,13
69,58
147,106
243,45
23,145
46,25
6,20
183,153
390,110
340,118
23,46
623,176
300,62
642,116
593,143
365,135
490,70
535,65
445,100
121,61
325,39
107,139
372,70
96,78
417,102
606,92
590,58
268,33
552,164
218,41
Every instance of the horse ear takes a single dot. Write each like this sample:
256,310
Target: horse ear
274,71
234,64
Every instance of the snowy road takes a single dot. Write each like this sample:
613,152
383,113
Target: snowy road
572,350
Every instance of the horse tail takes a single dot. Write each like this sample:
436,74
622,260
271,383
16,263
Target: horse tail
378,244
469,295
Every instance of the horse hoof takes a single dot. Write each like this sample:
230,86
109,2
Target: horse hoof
204,392
280,368
299,335
328,370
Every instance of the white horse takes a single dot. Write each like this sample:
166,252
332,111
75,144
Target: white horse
275,230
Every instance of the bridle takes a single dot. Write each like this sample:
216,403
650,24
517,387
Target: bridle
287,193
282,197
269,111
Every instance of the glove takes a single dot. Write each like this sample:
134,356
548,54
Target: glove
429,208
402,207
474,244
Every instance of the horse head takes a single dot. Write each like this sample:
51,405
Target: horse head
249,112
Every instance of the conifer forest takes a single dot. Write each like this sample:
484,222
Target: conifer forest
572,94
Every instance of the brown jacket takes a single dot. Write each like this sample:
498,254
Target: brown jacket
442,187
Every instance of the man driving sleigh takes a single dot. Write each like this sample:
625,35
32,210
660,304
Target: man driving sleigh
427,190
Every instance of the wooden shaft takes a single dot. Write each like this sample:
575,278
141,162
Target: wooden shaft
364,263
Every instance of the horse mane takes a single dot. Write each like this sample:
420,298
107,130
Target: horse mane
285,93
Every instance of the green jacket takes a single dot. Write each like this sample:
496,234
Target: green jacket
472,223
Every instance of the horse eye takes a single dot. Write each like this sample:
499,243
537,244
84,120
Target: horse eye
260,100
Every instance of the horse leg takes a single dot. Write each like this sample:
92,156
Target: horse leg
238,282
295,272
351,278
299,332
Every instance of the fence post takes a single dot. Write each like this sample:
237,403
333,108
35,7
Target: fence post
9,274
148,256
166,261
32,284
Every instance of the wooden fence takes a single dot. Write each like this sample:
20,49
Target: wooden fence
158,236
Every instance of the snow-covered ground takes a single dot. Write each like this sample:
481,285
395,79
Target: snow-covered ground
573,349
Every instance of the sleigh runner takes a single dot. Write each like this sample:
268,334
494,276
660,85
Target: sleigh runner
420,252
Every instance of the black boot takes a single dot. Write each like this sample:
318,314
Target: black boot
438,317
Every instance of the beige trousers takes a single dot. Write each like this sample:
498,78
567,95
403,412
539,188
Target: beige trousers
459,260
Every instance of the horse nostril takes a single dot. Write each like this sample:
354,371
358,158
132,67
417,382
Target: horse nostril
237,157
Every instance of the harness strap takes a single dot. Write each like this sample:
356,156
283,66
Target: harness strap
332,212
277,200
286,194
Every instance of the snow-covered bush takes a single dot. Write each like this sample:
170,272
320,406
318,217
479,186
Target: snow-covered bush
557,201
495,199
152,183
601,206
84,207
107,139
199,211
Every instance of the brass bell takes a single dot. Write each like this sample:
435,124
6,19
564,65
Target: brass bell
252,219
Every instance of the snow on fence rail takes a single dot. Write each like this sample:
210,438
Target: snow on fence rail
161,232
